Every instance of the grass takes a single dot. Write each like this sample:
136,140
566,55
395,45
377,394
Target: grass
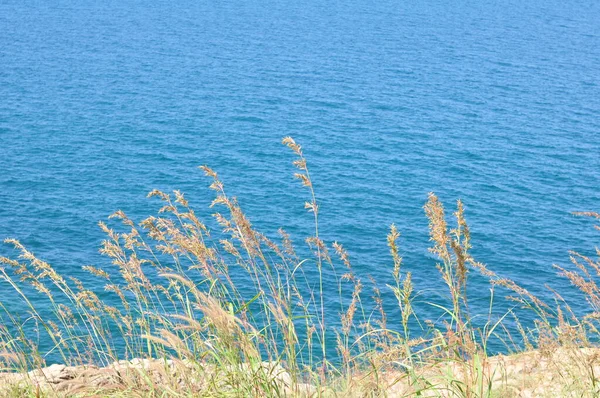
231,312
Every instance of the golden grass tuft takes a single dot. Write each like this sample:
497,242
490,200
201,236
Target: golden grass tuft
188,310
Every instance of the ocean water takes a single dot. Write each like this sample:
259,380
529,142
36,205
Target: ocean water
495,103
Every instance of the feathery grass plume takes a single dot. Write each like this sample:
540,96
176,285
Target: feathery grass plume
402,289
320,248
451,247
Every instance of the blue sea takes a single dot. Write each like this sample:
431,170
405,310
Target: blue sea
496,103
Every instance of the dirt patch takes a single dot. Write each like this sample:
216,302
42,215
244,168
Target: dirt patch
561,372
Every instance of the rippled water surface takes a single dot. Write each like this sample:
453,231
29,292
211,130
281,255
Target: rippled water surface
496,103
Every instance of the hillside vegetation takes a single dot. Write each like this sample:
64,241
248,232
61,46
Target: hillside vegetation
231,312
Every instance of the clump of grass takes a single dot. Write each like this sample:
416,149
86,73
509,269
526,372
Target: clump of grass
234,312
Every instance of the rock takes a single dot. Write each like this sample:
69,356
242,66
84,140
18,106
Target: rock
179,374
